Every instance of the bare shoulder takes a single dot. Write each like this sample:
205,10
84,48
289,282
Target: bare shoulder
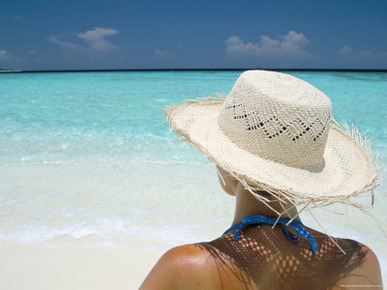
188,266
367,273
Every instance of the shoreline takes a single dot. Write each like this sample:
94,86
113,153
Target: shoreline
25,266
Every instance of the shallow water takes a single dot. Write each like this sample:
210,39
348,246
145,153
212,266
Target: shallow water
87,158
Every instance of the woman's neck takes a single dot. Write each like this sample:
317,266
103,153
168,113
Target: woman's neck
247,204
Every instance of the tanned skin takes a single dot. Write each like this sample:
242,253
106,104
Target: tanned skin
208,266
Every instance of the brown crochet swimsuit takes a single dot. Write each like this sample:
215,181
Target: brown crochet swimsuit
264,258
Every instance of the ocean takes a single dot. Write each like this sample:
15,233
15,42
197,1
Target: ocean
86,158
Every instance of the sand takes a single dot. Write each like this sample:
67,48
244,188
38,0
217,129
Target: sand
47,267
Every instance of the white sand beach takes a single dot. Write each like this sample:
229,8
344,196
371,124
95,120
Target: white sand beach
45,267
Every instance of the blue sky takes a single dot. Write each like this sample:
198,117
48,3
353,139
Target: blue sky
115,34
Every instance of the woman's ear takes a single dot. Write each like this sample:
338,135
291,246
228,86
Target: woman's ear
227,181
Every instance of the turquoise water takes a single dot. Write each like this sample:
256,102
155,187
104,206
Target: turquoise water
63,115
87,158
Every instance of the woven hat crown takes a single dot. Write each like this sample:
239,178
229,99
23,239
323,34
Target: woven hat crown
278,117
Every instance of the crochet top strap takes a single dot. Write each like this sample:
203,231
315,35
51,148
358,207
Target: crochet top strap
261,219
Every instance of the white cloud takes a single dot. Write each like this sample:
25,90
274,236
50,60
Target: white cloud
289,45
4,55
94,40
346,50
67,45
12,60
365,58
359,55
9,59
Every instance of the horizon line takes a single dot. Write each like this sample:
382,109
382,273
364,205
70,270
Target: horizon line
194,69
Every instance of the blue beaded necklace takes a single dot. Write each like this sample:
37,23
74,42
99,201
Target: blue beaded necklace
296,224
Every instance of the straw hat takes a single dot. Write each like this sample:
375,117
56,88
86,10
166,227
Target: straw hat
275,132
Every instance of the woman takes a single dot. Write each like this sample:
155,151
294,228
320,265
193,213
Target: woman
275,147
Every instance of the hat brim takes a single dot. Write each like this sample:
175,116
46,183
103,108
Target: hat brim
346,170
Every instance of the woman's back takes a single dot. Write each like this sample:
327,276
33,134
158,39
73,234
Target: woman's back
264,258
